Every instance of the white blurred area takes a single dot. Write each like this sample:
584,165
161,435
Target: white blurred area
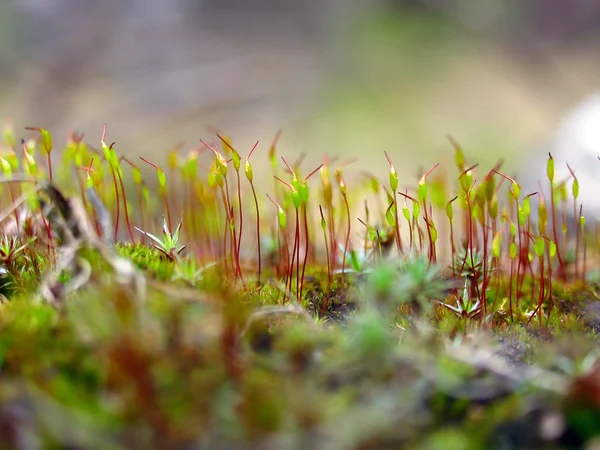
343,77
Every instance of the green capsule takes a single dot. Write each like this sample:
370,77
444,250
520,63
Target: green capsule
248,171
550,168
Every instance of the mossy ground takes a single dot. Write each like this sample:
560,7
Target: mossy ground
374,342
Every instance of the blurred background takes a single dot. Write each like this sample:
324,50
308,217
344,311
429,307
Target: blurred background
344,77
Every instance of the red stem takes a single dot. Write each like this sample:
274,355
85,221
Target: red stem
125,208
239,192
118,214
305,213
49,166
257,232
326,252
347,235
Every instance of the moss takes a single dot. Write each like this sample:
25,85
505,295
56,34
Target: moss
332,337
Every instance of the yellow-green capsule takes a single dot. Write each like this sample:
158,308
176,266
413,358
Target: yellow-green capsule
248,171
281,217
496,245
550,168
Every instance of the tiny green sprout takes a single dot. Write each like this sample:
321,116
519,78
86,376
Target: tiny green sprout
466,307
190,272
11,252
168,245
